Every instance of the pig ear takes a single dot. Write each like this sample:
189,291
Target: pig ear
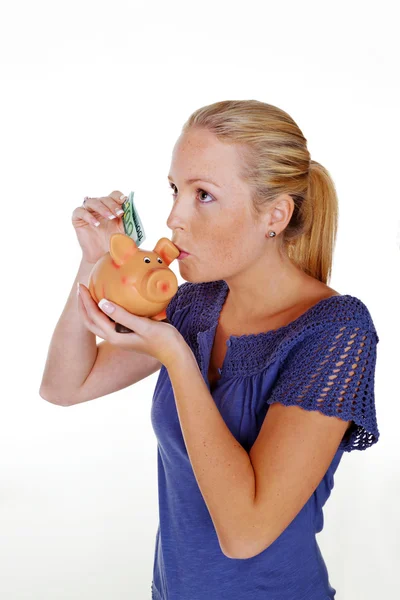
167,250
122,248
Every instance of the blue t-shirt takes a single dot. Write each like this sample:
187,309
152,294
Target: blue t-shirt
291,365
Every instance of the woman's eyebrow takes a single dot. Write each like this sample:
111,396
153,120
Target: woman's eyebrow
197,179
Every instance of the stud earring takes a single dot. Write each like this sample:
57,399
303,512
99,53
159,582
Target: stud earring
271,233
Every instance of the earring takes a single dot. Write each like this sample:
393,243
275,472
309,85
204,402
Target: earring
271,233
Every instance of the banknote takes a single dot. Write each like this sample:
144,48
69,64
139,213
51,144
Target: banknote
133,225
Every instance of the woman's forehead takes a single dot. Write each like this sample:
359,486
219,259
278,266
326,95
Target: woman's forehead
211,161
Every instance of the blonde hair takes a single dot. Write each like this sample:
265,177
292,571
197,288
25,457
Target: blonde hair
275,160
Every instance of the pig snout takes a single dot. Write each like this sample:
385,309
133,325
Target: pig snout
159,286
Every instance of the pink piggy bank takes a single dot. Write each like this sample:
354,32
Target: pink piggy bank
138,280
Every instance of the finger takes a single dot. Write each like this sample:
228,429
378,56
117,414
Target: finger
104,206
95,315
118,196
113,201
119,315
85,215
90,325
96,322
140,326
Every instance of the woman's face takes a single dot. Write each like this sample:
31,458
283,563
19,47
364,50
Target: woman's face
212,221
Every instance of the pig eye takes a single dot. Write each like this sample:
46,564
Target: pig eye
146,259
159,260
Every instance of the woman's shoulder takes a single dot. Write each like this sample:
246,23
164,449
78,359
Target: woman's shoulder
319,306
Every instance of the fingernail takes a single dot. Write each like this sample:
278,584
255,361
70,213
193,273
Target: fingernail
106,306
123,197
78,288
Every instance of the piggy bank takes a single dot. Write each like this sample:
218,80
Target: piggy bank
138,280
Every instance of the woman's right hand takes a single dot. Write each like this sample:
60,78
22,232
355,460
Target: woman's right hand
95,240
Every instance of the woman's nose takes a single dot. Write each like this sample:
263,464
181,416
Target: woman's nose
175,219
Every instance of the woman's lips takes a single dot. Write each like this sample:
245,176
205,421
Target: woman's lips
182,253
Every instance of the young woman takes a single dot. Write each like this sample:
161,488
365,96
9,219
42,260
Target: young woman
266,373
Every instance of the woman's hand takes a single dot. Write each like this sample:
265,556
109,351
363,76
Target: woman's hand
161,340
107,211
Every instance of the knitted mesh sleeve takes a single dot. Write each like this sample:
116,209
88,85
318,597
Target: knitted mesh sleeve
333,371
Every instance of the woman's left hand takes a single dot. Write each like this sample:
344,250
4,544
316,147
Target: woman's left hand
161,340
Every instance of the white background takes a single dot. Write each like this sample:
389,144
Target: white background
93,97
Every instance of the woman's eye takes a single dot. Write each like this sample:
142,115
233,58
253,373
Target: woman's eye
207,194
197,191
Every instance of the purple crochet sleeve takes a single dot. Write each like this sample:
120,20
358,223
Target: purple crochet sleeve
332,370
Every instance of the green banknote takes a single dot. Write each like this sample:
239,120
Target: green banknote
132,224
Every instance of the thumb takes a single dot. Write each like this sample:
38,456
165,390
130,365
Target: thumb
120,315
